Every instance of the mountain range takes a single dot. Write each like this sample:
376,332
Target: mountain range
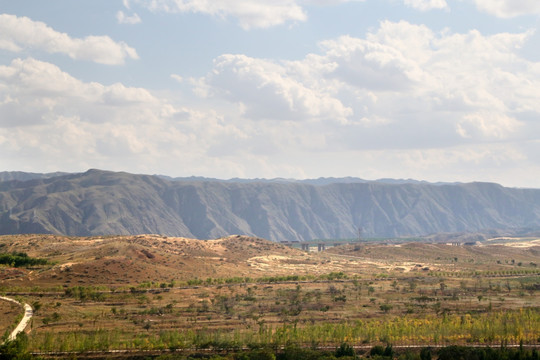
100,202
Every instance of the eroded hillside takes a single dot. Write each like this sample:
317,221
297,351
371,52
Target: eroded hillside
120,260
98,203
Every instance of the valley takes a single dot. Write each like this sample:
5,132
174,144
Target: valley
150,292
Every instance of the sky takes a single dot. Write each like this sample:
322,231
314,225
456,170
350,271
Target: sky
435,90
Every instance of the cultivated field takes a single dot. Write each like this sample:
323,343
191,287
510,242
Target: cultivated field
153,292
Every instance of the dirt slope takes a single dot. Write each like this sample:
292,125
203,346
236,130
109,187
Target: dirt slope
119,260
126,260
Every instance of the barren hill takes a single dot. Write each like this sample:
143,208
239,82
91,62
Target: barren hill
118,261
101,203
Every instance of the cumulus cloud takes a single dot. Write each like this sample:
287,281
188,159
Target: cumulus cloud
52,120
265,90
249,13
402,96
487,124
36,92
53,117
425,5
252,14
18,33
400,86
509,8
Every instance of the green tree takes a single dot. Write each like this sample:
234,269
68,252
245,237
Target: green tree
16,349
344,350
425,354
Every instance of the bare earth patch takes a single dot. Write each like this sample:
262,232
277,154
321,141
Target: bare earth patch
8,314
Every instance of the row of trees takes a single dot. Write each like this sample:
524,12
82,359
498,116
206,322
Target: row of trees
487,328
20,259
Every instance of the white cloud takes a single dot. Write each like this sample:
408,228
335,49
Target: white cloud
252,14
51,120
17,33
126,19
401,97
249,13
326,2
369,64
435,75
37,92
402,86
509,8
177,77
50,117
425,5
267,91
489,124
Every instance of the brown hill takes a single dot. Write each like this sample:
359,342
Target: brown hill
122,260
446,257
117,261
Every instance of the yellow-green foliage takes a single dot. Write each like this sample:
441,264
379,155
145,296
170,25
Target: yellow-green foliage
485,328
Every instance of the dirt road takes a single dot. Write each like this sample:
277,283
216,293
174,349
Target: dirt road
28,312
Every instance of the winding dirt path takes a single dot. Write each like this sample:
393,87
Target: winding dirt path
28,312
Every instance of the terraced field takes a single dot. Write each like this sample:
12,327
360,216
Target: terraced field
151,292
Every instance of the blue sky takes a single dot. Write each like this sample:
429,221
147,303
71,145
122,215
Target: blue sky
437,90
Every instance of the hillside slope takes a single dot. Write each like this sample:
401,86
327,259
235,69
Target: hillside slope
99,202
134,259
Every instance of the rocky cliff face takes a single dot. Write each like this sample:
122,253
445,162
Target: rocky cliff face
99,202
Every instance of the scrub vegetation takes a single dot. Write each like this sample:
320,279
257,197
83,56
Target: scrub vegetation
358,300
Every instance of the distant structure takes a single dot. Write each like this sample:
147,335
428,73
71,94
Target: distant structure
321,245
461,243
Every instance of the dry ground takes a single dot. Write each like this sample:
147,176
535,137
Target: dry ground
142,286
8,314
121,260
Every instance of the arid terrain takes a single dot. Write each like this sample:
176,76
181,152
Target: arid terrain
8,314
120,260
156,292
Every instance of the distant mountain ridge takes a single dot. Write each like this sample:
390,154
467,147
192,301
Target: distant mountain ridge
102,202
318,181
25,176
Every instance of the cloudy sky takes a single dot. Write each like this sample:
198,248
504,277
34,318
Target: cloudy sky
436,90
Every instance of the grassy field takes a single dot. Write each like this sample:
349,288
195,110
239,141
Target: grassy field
8,313
252,293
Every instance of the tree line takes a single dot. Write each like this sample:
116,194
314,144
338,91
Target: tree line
20,259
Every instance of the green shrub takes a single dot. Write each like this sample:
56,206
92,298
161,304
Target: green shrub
19,259
344,350
16,349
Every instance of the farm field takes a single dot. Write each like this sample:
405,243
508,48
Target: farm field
8,313
150,292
